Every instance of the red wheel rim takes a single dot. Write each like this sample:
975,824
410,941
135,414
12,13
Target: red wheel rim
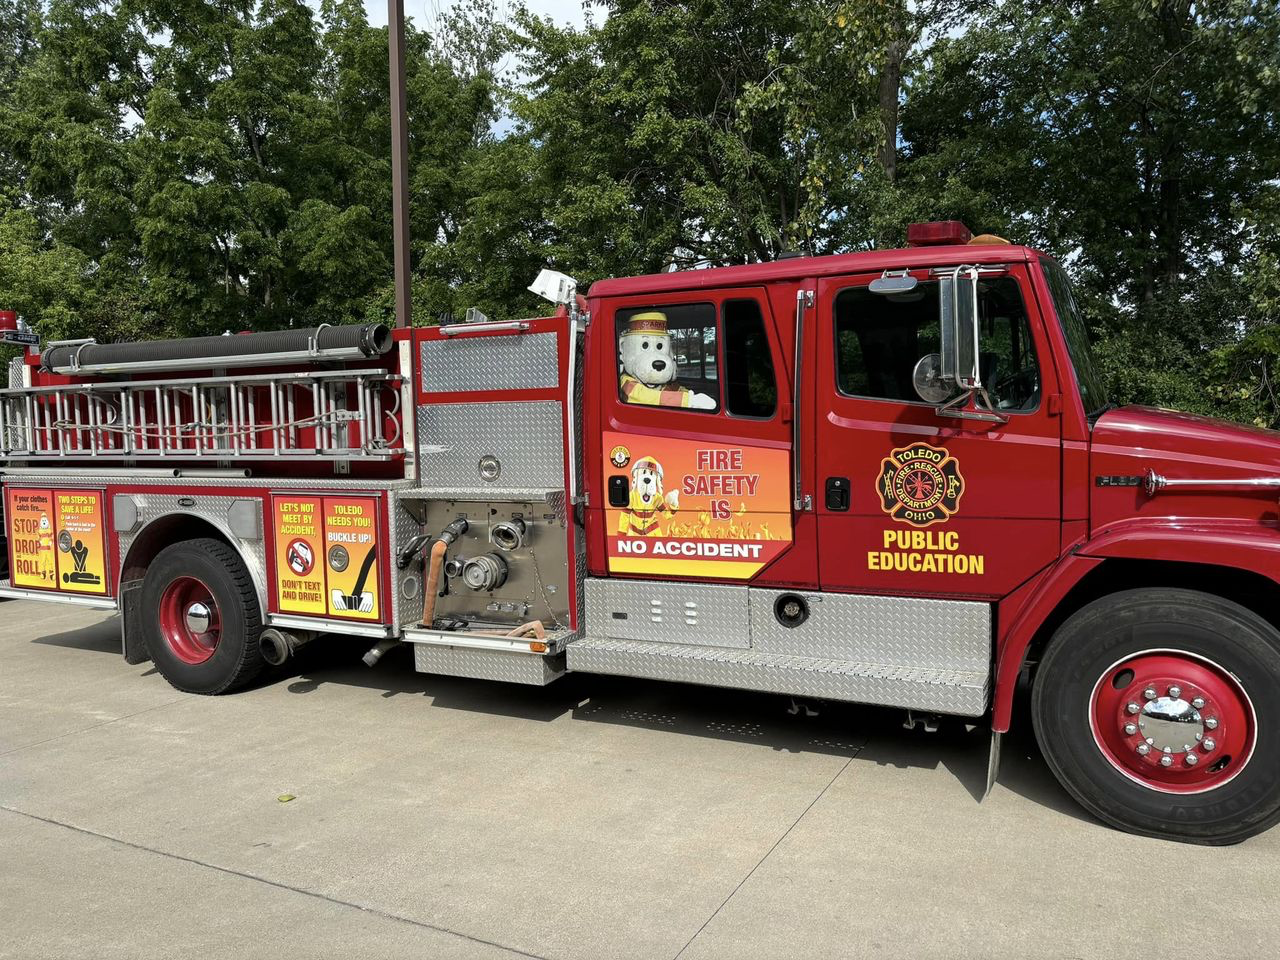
1173,721
189,620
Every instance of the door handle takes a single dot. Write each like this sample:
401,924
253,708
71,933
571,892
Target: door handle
619,491
837,498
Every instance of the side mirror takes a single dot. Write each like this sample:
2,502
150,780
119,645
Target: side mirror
958,322
957,368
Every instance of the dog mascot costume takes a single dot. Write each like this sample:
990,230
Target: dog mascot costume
649,369
648,503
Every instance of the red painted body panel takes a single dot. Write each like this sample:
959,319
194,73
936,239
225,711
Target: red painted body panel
1010,512
1132,440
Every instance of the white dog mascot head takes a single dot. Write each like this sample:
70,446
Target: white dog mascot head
649,369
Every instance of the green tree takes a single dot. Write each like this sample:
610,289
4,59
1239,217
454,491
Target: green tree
1137,138
680,133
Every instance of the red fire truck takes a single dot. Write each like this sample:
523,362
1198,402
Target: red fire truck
890,477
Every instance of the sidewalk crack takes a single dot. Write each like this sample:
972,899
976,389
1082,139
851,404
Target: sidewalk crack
95,726
386,915
750,873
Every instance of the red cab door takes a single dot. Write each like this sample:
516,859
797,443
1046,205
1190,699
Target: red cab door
909,499
692,437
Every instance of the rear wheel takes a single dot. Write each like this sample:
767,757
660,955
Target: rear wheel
201,617
1156,709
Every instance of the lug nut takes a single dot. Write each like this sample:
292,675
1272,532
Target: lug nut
1143,749
1192,759
1209,744
1198,703
1149,693
1166,761
1130,729
1211,723
1133,708
1175,691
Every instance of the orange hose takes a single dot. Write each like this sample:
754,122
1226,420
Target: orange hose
432,588
534,627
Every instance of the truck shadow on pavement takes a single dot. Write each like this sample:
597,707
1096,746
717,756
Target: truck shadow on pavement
859,732
101,637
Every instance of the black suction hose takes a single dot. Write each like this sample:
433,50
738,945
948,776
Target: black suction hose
366,340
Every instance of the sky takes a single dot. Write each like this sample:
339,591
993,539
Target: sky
562,11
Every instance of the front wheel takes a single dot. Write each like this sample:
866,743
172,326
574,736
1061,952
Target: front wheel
1158,709
201,617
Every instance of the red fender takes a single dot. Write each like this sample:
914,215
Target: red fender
1025,610
1241,544
1220,543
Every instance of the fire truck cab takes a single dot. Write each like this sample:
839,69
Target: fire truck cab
890,477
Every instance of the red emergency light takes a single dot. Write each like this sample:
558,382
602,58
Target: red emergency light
937,234
8,320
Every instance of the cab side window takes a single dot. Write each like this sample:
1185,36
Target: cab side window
668,356
750,387
880,339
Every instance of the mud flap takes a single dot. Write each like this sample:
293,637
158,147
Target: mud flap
993,764
132,645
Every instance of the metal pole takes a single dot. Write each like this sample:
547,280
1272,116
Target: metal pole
399,161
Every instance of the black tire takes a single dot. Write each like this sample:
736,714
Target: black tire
1092,643
235,659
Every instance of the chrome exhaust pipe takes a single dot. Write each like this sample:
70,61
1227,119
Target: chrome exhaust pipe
378,649
277,645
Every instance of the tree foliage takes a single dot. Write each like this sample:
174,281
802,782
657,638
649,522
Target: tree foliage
172,167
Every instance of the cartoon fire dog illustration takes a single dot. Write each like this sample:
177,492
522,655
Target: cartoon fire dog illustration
45,553
648,503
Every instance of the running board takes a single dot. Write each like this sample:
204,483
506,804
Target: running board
959,692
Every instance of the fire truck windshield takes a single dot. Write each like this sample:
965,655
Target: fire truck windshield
1093,392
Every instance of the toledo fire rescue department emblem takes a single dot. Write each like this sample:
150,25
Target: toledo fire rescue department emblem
920,484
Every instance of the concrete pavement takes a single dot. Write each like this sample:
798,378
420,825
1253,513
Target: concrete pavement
595,818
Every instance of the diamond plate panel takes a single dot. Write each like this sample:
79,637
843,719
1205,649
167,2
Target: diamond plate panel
408,583
527,438
940,691
464,364
530,668
928,634
153,506
580,579
692,613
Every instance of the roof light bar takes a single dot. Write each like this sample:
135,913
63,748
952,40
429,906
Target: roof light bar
938,233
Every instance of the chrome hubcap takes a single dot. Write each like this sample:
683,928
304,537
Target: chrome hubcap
198,618
1171,724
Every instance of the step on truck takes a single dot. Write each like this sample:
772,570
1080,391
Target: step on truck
890,477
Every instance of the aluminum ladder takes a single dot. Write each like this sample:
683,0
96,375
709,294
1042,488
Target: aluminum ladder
340,414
